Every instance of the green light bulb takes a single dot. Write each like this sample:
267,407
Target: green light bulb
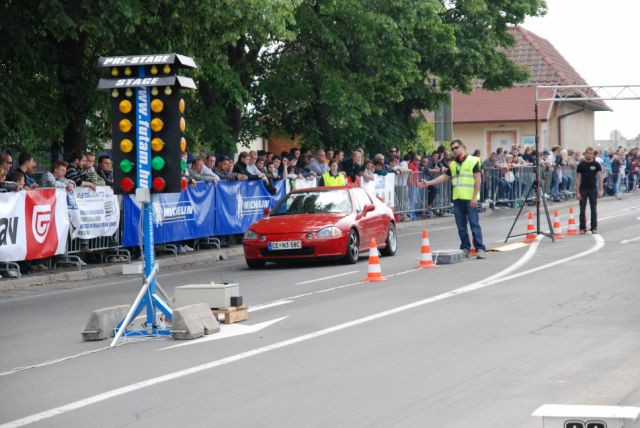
126,166
183,165
157,163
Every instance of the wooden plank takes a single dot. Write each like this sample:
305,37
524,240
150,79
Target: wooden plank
236,316
232,313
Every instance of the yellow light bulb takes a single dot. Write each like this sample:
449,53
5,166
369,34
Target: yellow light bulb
125,106
115,72
115,93
125,125
167,90
181,105
126,146
157,124
154,91
166,69
127,71
157,144
128,92
157,105
183,124
154,70
183,144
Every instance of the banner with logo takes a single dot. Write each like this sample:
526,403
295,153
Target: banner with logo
382,186
93,214
241,203
303,183
176,216
34,224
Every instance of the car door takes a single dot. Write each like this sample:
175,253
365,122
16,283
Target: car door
368,224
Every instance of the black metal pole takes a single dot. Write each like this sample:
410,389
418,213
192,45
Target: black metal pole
537,165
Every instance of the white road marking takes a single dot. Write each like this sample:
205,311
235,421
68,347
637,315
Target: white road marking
228,330
327,277
268,305
626,241
494,279
48,363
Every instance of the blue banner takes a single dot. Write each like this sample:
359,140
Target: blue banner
241,203
177,216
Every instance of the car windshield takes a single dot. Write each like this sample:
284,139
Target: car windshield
334,201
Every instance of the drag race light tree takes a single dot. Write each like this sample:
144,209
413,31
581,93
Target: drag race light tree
140,84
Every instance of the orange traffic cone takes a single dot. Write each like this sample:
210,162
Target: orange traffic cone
531,230
557,229
426,260
572,229
374,273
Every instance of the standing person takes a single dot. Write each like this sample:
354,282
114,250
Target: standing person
105,169
28,166
588,174
465,172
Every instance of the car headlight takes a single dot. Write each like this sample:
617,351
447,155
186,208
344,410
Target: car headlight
329,232
250,234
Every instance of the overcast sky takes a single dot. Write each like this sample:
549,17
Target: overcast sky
599,38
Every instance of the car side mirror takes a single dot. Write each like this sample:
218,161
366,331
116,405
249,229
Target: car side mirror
267,211
369,208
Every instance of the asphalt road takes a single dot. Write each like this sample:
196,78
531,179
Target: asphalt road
482,343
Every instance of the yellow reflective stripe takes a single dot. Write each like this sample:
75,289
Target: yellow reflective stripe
465,175
464,185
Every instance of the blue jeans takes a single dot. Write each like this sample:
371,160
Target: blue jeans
414,192
465,214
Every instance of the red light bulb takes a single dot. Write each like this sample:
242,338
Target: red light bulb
158,184
183,183
126,184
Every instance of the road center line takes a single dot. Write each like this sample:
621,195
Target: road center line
327,277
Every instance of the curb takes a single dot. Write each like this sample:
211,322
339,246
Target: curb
196,258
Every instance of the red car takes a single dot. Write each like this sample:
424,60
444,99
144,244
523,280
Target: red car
335,222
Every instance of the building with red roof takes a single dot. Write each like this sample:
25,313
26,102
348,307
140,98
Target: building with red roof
487,120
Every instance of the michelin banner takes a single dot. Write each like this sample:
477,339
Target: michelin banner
93,214
241,203
34,224
177,216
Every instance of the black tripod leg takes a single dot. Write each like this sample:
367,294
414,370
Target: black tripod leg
546,211
533,185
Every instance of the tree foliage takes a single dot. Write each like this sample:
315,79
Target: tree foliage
337,72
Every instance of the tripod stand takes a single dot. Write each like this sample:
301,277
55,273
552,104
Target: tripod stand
534,186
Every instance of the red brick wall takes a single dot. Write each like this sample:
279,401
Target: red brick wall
279,144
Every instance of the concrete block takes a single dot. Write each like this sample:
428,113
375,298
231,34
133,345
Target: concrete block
215,295
102,322
132,268
447,257
193,321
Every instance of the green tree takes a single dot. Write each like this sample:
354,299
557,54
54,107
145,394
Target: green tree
358,70
48,71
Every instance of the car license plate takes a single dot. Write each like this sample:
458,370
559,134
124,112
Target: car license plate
285,245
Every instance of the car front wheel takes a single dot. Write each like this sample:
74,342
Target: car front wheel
392,241
353,248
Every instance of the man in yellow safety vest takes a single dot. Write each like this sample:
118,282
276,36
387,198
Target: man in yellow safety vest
464,171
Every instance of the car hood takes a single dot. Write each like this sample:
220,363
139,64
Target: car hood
296,223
